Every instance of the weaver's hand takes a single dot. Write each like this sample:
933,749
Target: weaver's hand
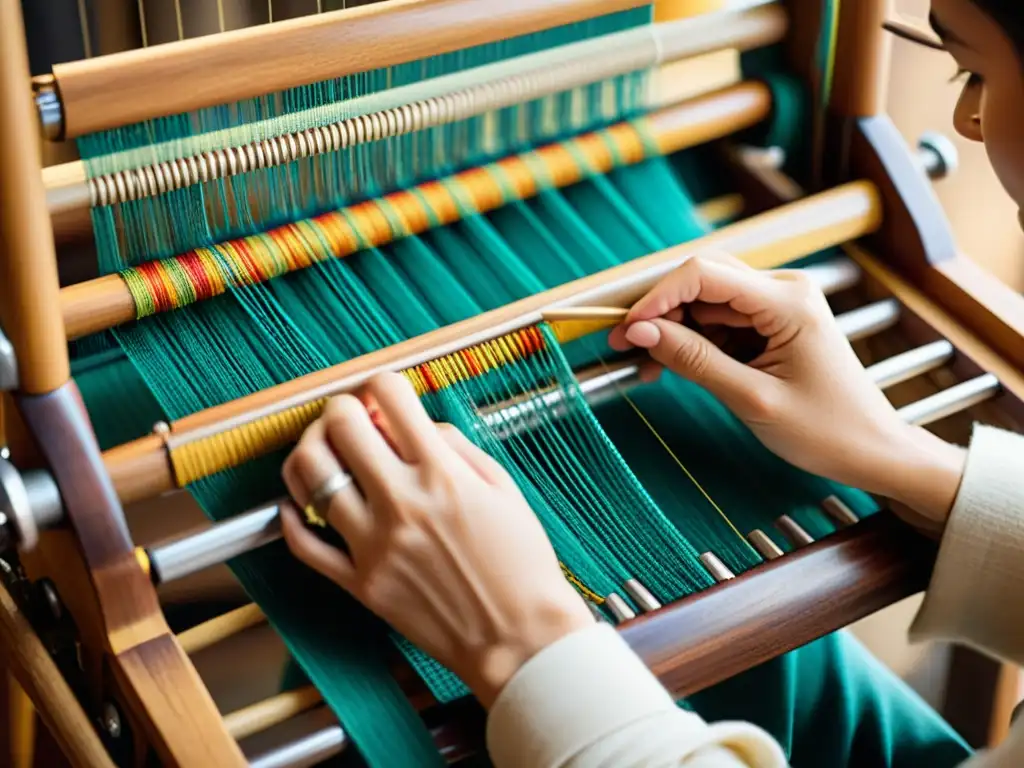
805,395
442,545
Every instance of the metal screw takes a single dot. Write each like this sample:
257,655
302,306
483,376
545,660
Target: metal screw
111,721
937,155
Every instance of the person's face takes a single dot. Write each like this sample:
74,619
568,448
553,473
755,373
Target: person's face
991,107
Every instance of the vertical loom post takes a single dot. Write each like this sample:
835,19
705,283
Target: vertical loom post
29,289
861,76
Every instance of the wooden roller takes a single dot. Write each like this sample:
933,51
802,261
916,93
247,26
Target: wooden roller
141,469
124,88
105,302
411,108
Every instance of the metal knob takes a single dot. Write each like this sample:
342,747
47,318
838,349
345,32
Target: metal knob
48,107
29,502
937,155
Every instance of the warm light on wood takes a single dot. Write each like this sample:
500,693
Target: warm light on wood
29,301
220,628
124,88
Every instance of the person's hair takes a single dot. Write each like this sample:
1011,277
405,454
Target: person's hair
1009,14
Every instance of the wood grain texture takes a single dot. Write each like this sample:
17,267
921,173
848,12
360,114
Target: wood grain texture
967,343
181,719
863,52
981,302
781,605
124,88
114,605
28,264
706,638
140,468
916,234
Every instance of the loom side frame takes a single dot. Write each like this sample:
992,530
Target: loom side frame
114,608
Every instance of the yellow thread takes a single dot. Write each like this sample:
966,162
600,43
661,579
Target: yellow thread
313,517
142,558
206,456
676,459
583,589
682,466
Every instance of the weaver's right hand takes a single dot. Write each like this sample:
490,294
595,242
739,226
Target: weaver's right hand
805,396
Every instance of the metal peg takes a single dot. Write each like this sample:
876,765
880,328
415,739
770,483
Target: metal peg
765,547
619,608
640,595
48,107
792,530
308,750
218,544
29,502
841,514
937,155
718,570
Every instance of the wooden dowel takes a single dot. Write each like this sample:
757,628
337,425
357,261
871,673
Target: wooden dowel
105,302
270,712
124,88
29,300
140,469
493,87
220,628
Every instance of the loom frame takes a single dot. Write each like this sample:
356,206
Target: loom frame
130,654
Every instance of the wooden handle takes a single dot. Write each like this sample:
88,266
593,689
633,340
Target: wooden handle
124,88
141,470
29,300
105,302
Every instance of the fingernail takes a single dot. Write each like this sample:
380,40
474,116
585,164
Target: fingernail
644,334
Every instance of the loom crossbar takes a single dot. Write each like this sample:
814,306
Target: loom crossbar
124,88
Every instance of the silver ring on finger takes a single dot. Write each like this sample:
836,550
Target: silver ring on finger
320,501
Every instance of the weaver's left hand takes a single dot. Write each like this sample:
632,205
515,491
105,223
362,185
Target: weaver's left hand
442,545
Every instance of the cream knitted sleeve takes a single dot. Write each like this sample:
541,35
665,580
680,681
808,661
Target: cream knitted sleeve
976,595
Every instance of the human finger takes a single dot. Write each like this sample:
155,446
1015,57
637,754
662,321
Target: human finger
400,414
720,314
694,357
362,448
710,282
489,470
315,477
317,554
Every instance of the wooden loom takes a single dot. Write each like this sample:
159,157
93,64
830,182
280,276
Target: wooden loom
946,338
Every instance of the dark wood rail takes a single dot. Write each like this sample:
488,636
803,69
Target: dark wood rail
774,608
711,636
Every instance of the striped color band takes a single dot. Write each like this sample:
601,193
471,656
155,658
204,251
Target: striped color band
166,284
